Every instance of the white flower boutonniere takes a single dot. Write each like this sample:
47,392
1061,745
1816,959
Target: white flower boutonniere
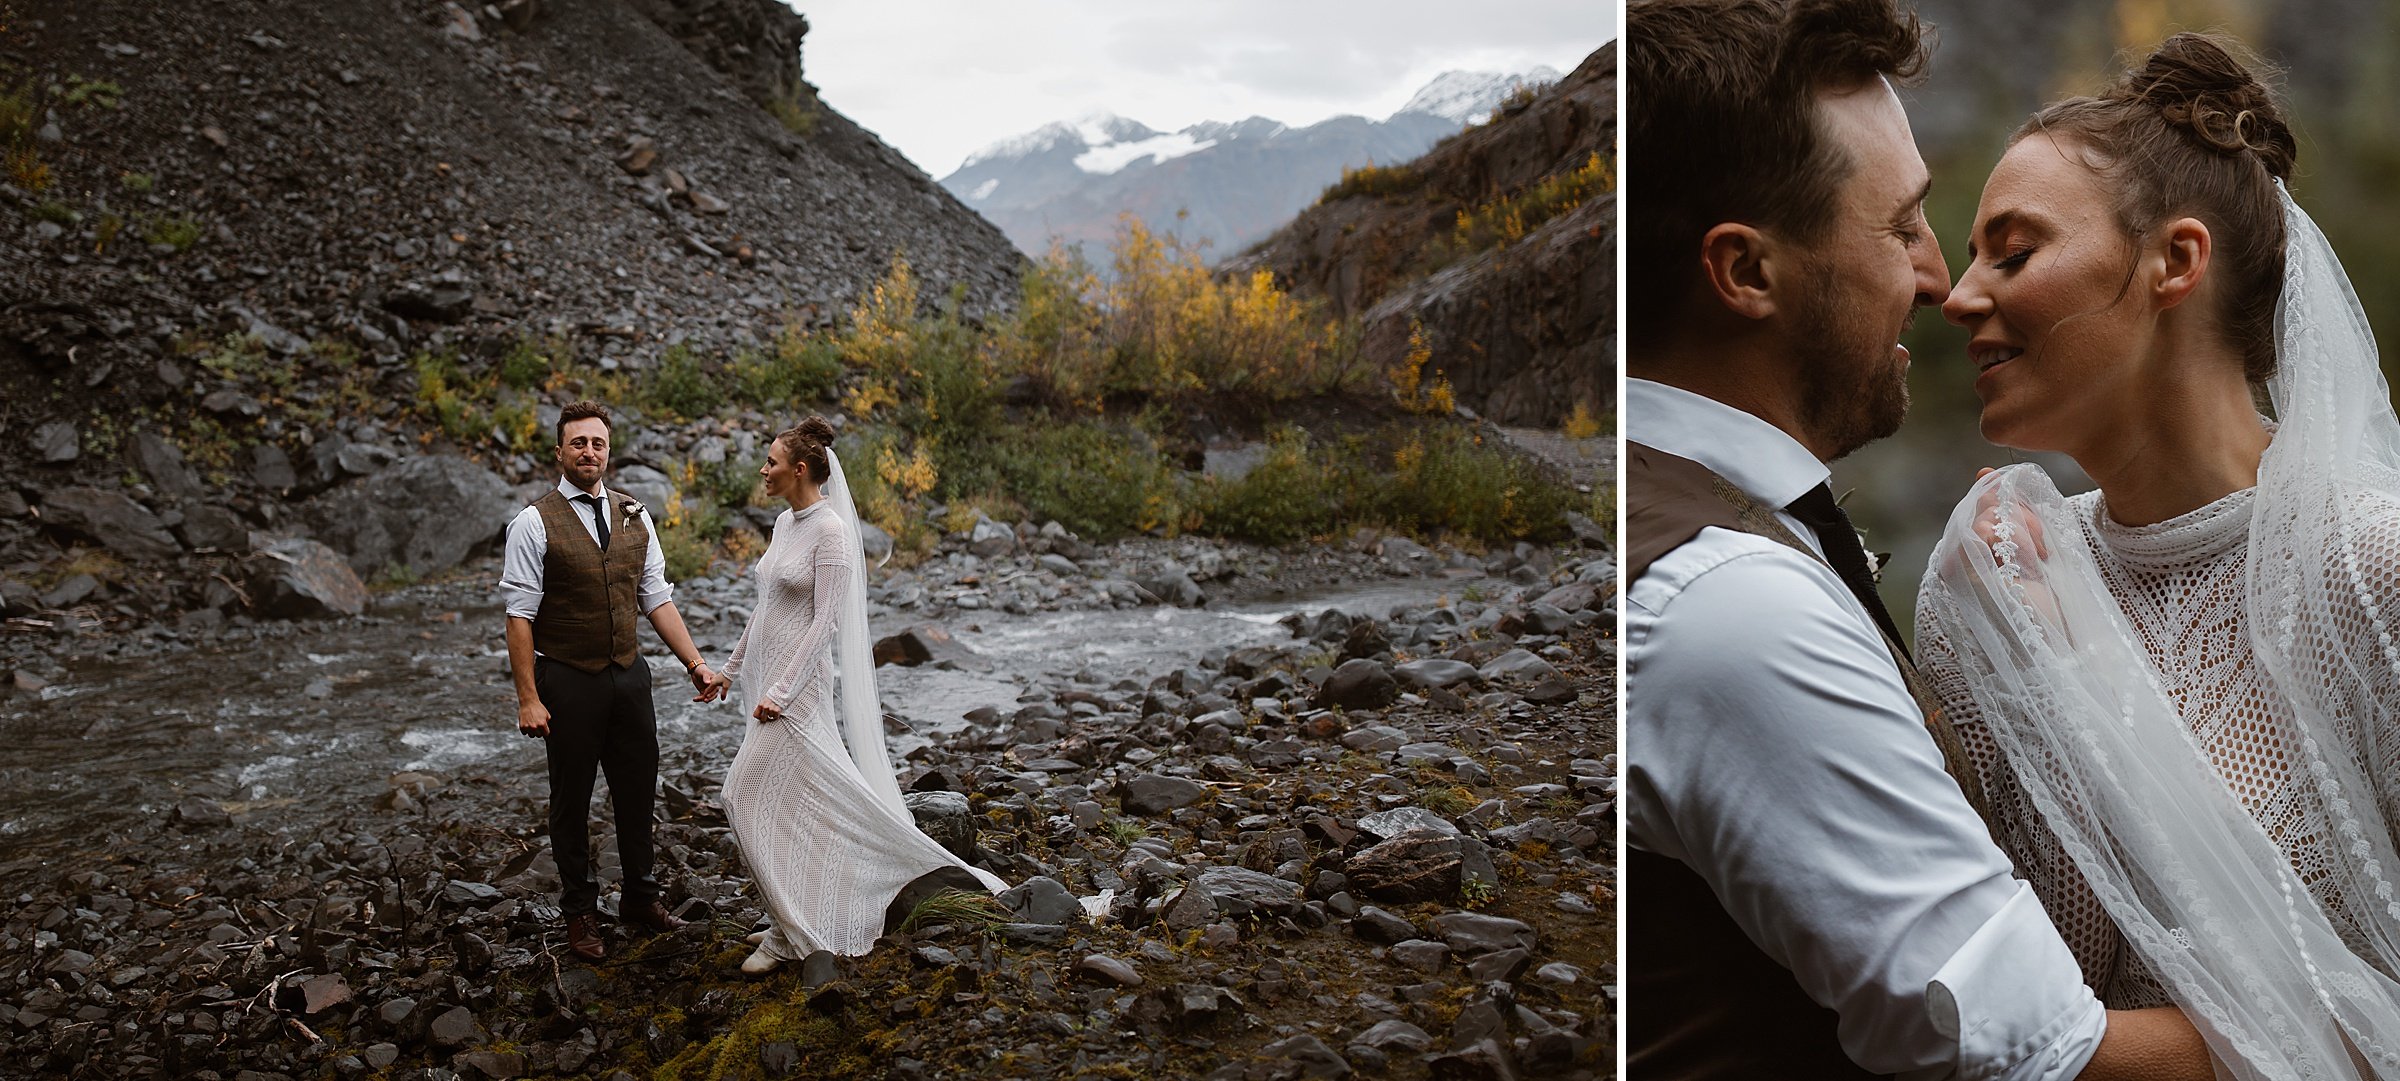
1876,561
633,508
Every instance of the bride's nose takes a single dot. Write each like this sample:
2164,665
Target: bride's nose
1968,302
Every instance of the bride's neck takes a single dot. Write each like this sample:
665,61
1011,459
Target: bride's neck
2175,453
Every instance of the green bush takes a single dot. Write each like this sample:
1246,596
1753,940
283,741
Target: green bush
801,369
1450,479
529,362
680,387
1292,495
1096,480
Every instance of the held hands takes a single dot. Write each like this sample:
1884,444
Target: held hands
710,685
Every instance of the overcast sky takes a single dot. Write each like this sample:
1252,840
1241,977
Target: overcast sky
938,79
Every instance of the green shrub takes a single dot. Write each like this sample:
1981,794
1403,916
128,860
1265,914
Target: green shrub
179,232
529,362
1449,478
802,368
1292,495
680,387
1096,480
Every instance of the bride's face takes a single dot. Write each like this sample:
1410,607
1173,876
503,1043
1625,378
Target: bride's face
778,472
2059,328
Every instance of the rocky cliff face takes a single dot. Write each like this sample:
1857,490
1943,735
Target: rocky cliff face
1524,330
357,183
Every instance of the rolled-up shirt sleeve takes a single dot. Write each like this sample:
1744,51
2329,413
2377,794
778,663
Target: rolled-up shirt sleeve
521,564
656,590
1773,749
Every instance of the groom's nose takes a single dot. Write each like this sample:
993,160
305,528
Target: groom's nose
1933,274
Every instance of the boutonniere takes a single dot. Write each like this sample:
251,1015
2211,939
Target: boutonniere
633,508
1876,561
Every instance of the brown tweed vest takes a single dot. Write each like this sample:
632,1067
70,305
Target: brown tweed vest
590,597
1703,1002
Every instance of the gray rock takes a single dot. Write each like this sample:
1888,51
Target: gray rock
117,522
1043,900
652,487
1558,974
364,459
1358,684
208,526
1175,586
297,578
1421,954
1420,865
1473,933
70,591
455,1029
1481,1060
923,644
201,812
1154,793
1110,970
1393,1035
1310,1055
1238,891
1434,672
947,818
990,539
1399,820
1402,550
272,468
1060,565
876,543
1374,738
56,442
426,514
161,463
1572,597
1518,666
470,894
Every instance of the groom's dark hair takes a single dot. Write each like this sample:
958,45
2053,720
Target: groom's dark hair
1721,111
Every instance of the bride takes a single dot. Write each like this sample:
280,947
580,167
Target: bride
823,829
2181,689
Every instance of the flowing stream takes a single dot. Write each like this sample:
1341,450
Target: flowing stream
324,716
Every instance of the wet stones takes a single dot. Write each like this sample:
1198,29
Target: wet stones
1434,672
115,521
947,818
1152,794
296,578
1358,684
201,812
1110,970
1419,865
922,644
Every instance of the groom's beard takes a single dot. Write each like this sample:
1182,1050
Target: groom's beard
1853,391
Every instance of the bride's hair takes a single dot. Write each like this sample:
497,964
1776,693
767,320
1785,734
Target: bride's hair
807,445
2193,132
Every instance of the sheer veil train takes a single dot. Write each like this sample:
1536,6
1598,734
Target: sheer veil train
2285,960
854,657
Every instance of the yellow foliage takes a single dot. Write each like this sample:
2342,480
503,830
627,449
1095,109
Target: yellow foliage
1583,423
1408,380
911,477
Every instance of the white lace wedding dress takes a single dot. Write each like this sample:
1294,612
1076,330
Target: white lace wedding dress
2181,586
827,850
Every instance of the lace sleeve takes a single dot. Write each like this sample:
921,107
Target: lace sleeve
809,662
2016,826
741,647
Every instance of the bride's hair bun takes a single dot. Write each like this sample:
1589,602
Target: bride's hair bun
807,444
2199,86
2194,132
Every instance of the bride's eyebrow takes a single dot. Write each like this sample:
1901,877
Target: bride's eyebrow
1995,225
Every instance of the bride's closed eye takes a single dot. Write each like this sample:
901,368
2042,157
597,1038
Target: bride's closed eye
2012,260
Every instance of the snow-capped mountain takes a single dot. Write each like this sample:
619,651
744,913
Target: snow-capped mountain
1228,183
1463,97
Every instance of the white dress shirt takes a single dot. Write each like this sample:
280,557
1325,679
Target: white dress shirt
1773,749
521,560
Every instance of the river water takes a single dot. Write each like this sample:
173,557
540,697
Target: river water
322,717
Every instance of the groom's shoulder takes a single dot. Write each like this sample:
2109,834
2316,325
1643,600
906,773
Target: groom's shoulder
1735,593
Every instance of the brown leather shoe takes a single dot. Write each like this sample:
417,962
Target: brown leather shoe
583,937
652,914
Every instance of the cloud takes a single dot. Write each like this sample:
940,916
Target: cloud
939,78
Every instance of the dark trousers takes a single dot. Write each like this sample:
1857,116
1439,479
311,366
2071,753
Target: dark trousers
600,721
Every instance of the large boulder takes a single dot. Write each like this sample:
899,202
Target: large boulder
923,644
653,488
1419,865
425,514
1359,684
945,817
296,578
114,520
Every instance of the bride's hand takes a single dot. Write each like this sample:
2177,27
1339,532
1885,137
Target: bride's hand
766,711
1988,516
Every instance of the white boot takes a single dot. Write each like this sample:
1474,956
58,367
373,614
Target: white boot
760,962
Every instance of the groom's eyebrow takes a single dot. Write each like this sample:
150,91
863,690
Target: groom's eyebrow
1917,201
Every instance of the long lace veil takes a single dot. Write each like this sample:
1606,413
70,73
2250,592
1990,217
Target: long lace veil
854,657
2288,973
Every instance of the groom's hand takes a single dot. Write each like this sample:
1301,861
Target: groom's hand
533,719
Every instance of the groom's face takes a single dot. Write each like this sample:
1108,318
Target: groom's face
1860,285
583,451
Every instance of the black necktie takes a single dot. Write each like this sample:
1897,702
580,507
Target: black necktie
1842,549
600,516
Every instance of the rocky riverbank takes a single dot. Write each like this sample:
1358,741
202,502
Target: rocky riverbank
1380,846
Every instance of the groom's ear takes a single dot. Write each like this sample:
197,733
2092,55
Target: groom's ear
1737,259
2181,260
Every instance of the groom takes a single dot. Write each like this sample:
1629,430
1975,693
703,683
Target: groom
579,563
1810,888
